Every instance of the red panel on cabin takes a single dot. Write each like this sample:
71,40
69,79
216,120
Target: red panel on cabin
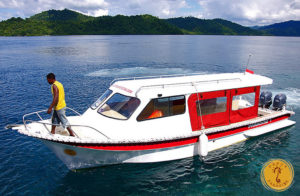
245,113
209,107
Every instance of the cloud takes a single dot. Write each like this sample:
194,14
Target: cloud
254,12
258,12
31,7
160,8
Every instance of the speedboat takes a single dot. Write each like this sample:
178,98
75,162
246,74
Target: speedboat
162,118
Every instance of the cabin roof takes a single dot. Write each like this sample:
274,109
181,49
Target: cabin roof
178,85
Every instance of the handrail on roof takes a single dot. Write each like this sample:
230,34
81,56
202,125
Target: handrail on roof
152,77
182,83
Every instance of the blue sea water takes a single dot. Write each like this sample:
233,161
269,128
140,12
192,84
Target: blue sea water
87,64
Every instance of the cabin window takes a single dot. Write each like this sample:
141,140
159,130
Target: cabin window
119,106
209,109
211,106
101,99
163,107
243,101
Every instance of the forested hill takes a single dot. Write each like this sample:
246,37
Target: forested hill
193,25
61,15
67,22
288,28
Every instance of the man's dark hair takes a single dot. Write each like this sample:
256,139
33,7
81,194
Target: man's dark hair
51,76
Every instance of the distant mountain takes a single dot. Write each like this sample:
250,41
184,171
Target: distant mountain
255,27
68,22
211,27
289,28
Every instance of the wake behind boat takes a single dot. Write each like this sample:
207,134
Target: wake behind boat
153,119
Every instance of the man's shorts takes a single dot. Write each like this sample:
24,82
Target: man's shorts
59,116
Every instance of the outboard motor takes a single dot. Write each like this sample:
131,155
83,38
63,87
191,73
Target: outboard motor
279,102
265,99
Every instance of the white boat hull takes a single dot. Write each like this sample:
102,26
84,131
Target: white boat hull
76,157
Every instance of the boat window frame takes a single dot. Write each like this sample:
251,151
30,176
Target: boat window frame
243,97
185,105
110,94
208,120
243,114
215,111
120,118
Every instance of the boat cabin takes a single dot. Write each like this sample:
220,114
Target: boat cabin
164,106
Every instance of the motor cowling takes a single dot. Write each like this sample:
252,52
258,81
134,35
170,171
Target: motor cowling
265,99
279,102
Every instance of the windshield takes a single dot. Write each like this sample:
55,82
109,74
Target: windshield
119,106
101,99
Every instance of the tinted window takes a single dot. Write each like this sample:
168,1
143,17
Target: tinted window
212,106
163,107
243,101
119,106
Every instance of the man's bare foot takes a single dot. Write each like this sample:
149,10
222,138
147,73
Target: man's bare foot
70,132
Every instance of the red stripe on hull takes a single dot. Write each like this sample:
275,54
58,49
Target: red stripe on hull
175,143
145,146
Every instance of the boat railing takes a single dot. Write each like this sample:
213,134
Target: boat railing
40,117
184,83
153,77
71,125
25,121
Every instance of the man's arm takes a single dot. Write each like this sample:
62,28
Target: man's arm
55,99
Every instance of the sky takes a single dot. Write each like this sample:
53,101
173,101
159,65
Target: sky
244,12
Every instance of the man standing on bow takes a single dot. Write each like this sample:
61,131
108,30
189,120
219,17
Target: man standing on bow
59,105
